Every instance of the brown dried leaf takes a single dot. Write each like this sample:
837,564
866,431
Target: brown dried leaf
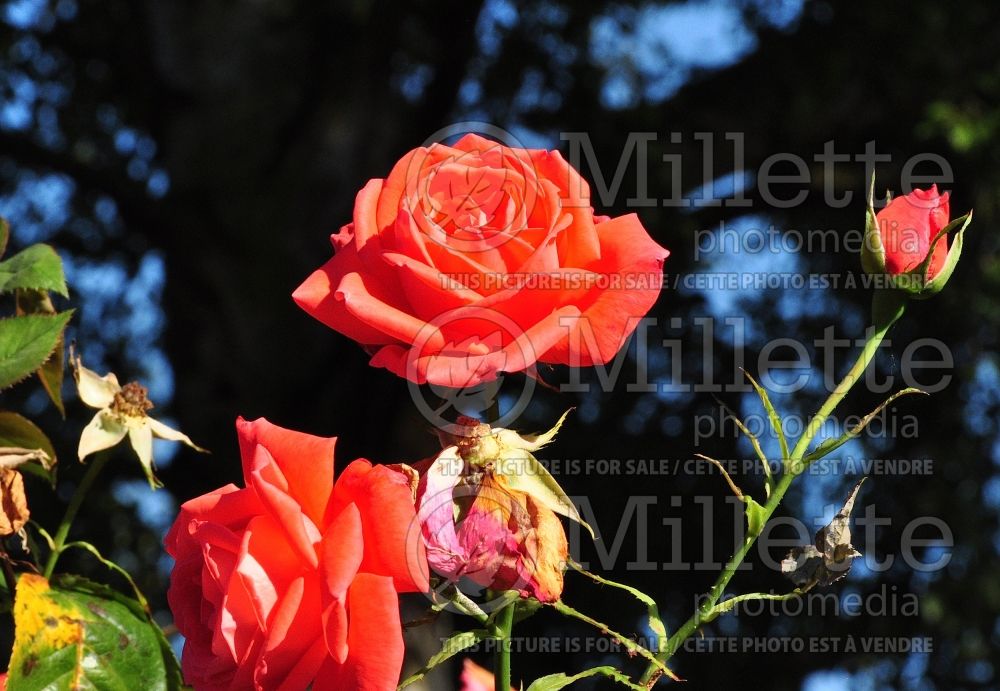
13,503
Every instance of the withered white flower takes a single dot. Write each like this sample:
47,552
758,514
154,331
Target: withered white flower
122,410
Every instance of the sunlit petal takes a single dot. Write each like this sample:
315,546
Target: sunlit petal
95,391
103,432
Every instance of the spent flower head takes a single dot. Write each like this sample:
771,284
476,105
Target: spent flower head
122,410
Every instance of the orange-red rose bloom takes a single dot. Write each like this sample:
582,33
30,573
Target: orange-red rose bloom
475,259
293,581
907,226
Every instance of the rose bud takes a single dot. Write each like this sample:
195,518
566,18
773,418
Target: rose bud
908,242
487,510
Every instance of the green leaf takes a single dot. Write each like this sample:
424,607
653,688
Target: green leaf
74,634
727,605
830,445
20,432
772,415
51,372
26,342
451,647
553,682
36,268
756,517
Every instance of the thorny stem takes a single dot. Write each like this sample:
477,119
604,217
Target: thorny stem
501,658
887,308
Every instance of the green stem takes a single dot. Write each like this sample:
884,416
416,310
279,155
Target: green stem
59,541
501,659
887,308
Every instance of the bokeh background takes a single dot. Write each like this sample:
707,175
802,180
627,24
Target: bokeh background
190,159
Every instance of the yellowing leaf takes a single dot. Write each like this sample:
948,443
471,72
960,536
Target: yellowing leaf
73,634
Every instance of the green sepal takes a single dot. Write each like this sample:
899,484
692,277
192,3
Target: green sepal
872,251
934,285
527,475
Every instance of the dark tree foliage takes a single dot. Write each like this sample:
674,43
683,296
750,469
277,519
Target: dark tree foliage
227,140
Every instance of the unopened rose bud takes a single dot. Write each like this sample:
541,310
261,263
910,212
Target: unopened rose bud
907,241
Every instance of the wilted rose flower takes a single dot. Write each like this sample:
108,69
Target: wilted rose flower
293,580
122,411
475,259
487,511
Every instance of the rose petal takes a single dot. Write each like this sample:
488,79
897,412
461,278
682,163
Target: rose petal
317,296
271,486
292,652
140,435
366,226
306,461
907,225
459,368
399,325
611,314
343,550
94,390
164,432
405,178
392,545
431,292
475,678
266,565
104,431
375,640
235,627
225,506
